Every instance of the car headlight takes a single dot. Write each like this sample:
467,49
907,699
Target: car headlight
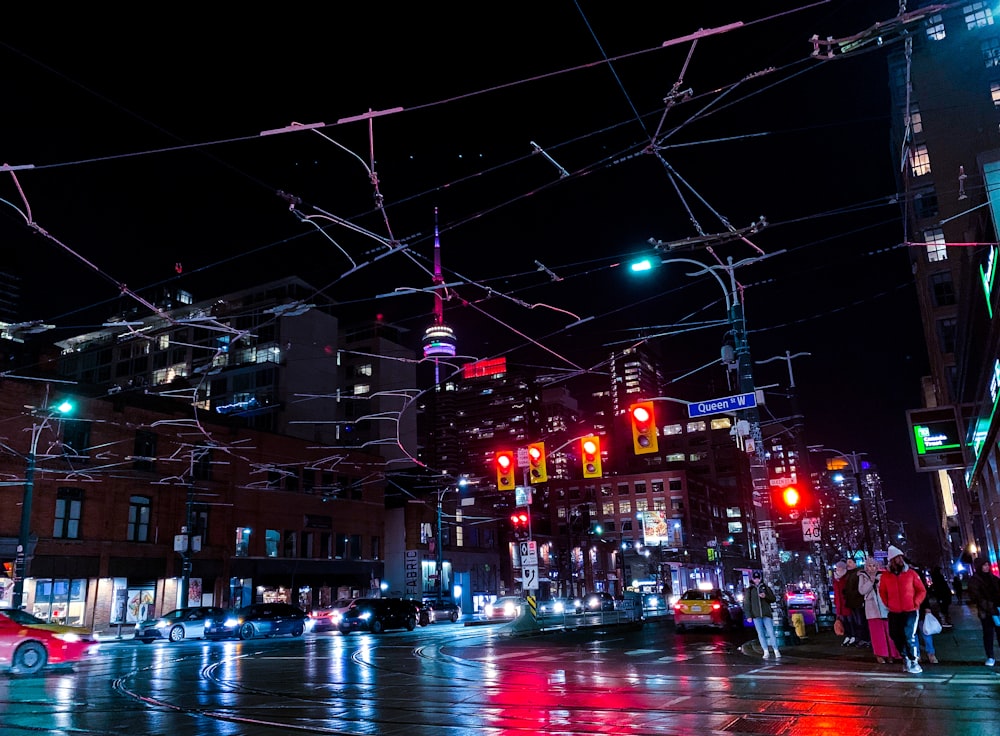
231,622
68,636
160,625
558,607
508,609
489,609
366,615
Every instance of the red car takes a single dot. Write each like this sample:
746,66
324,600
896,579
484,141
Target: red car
26,648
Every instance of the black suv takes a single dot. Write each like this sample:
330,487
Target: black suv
378,614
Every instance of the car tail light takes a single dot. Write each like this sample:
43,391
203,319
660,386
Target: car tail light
716,606
677,606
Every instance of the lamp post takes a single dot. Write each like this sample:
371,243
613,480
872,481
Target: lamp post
852,459
462,482
736,352
30,460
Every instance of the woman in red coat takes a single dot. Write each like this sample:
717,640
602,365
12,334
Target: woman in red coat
902,591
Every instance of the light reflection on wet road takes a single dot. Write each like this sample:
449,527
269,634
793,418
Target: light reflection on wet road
473,680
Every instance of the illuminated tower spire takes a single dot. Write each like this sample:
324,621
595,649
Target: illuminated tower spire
439,338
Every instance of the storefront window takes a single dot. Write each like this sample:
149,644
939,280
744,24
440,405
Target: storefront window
61,600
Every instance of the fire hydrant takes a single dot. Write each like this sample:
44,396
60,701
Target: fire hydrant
799,624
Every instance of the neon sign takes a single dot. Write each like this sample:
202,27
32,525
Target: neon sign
987,275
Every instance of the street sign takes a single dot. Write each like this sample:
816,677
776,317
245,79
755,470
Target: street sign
529,553
810,529
529,577
720,406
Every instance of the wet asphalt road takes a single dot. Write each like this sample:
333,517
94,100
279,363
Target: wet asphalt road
449,679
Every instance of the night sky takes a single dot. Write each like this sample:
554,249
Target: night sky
540,131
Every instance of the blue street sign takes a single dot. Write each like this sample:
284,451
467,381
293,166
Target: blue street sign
720,406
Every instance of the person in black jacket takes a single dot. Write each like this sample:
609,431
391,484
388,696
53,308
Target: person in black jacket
757,601
940,591
984,593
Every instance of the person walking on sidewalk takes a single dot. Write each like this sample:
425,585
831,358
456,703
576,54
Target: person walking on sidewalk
856,604
930,606
758,599
940,591
956,585
840,607
902,591
876,613
984,592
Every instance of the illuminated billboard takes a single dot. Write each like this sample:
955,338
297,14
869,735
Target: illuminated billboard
935,439
659,531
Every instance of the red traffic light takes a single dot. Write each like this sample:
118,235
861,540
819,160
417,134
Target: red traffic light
590,451
519,519
642,418
505,470
791,496
537,472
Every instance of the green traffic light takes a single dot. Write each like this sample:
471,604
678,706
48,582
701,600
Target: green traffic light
64,407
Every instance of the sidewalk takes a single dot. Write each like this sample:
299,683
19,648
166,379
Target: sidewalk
961,645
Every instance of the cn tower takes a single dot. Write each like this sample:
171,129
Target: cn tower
439,339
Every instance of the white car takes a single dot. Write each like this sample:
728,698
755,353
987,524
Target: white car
181,623
507,607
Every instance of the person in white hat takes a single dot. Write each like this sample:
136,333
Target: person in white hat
902,591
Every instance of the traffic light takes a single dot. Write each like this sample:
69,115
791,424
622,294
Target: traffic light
643,421
790,502
537,472
519,521
590,456
505,470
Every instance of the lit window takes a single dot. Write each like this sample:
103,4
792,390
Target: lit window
734,512
675,457
641,504
920,161
916,122
361,389
722,423
608,508
672,429
936,248
696,426
978,15
242,541
163,342
625,507
935,28
364,370
991,52
995,93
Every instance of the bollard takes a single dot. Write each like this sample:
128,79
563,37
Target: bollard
799,624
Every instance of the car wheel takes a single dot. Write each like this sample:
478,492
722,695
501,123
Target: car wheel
297,630
29,658
177,633
247,631
454,617
146,641
376,626
411,623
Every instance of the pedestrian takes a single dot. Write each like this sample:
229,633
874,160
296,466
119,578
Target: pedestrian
956,585
984,593
929,606
876,613
840,607
856,605
758,600
902,591
940,591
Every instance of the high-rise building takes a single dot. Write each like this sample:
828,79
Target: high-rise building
945,90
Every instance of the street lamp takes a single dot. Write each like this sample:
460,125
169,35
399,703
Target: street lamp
46,413
736,352
462,483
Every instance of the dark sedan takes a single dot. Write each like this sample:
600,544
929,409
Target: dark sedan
378,614
258,619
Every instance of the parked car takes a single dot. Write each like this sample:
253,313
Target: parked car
506,607
328,619
27,648
181,623
801,600
378,614
257,619
599,601
443,610
23,617
716,608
